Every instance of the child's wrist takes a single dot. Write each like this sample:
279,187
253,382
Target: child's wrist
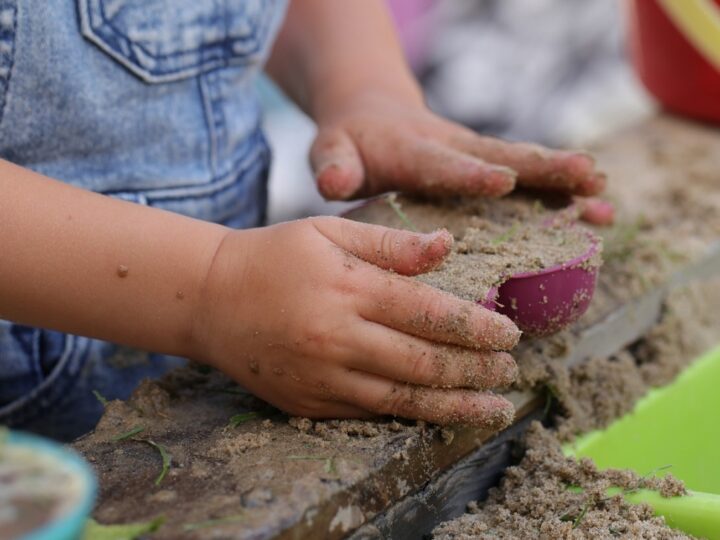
223,272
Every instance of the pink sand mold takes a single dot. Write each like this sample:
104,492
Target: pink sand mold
545,301
491,299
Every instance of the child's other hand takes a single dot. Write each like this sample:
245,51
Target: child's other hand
377,143
318,318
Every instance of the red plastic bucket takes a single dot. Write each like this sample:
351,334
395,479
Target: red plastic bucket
675,46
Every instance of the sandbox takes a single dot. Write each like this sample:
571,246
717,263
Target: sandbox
240,469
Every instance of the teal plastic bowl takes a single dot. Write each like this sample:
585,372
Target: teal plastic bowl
69,524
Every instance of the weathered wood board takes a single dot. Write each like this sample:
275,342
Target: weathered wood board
268,479
632,163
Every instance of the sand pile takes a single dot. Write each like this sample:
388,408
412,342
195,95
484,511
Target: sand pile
533,499
494,239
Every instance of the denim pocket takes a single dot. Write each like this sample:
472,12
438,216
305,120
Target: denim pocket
169,40
37,369
8,26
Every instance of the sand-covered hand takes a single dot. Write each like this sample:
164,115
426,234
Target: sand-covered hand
378,143
320,318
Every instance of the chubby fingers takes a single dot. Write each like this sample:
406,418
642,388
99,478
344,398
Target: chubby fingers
432,168
439,406
407,163
400,357
404,252
338,166
537,167
423,311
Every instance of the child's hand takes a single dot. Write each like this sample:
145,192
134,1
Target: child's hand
301,315
374,143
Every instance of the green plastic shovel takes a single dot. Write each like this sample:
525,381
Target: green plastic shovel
674,429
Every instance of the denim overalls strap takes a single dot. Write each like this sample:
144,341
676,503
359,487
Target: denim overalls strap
151,101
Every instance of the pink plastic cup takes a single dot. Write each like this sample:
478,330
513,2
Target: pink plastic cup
546,301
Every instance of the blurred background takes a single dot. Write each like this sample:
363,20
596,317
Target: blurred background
550,71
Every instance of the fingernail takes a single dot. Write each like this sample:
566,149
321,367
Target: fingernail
501,181
327,167
447,238
501,333
578,162
506,369
435,246
586,154
495,414
503,416
334,182
593,185
600,180
438,238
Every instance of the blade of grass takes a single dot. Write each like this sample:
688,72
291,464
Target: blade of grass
579,519
102,399
329,462
392,201
131,433
552,394
241,418
127,531
656,470
307,458
213,522
164,455
507,235
548,404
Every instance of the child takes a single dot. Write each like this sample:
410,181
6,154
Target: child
108,103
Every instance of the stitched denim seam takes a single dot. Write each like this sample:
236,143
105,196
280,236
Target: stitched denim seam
91,34
108,23
230,182
6,90
217,118
58,383
222,50
35,356
255,148
155,75
203,58
207,113
224,46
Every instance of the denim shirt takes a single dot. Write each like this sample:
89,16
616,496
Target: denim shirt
151,101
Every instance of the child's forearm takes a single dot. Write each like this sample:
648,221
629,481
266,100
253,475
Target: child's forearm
329,52
341,62
298,313
80,262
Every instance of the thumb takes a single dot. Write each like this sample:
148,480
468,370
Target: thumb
407,253
337,164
